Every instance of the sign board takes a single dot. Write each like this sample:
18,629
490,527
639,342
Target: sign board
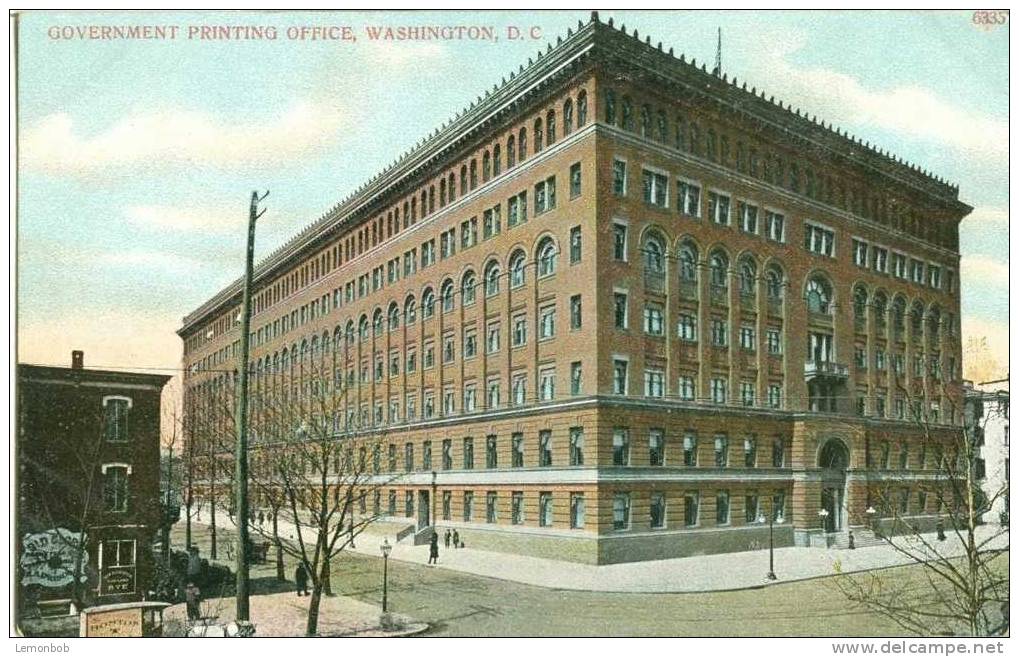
118,580
115,622
48,558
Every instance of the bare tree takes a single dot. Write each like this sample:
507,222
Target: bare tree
962,584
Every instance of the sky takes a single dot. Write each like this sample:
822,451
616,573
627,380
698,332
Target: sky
137,158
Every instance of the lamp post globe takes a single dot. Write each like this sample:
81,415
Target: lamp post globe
385,548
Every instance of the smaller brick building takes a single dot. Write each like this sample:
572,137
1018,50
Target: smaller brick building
88,461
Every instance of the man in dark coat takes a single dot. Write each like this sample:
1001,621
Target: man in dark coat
456,539
448,536
433,549
192,597
301,578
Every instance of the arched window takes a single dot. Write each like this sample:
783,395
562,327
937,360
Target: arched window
394,316
627,113
522,145
463,180
511,152
427,303
899,314
662,127
774,281
747,277
474,174
645,121
654,255
337,339
916,317
550,127
284,359
719,265
496,160
688,262
468,286
547,252
348,333
492,279
517,270
860,302
447,296
452,187
538,136
410,310
362,328
582,108
377,322
486,166
818,295
568,117
610,107
442,193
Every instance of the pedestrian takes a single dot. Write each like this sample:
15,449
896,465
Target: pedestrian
301,578
456,539
941,529
192,596
433,549
448,536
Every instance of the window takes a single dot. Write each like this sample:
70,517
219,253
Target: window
546,384
468,453
517,450
748,338
576,378
750,452
519,389
544,195
722,507
778,453
516,209
492,339
118,555
448,350
620,310
576,245
469,233
899,265
752,506
656,189
657,511
774,226
621,511
428,253
517,507
747,217
656,447
859,253
491,223
576,446
519,330
686,389
934,276
546,323
819,295
468,505
392,502
575,312
747,393
690,449
619,241
544,448
544,509
491,503
115,415
426,455
470,398
493,393
719,332
575,180
577,510
689,198
408,457
653,319
115,487
619,177
619,376
620,447
517,272
688,327
718,208
819,240
721,451
691,508
719,390
774,339
879,259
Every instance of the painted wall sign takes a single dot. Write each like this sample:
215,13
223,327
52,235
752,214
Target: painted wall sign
48,558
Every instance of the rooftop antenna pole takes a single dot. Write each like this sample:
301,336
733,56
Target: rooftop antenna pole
718,55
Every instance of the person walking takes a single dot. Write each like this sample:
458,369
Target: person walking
301,578
456,539
192,597
448,536
433,549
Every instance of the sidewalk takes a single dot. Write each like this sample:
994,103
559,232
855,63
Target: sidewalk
717,572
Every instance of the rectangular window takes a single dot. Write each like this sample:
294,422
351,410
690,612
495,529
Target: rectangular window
575,180
576,378
656,189
427,253
619,242
657,511
544,509
899,265
491,504
408,457
719,332
718,208
691,509
719,390
747,393
748,338
879,259
517,507
774,338
654,383
916,271
468,453
689,198
722,507
575,312
686,388
656,447
577,511
752,506
690,449
621,511
468,505
819,240
519,389
620,310
492,339
492,222
778,453
544,196
934,276
519,330
576,446
546,384
115,488
750,452
544,448
447,454
546,323
747,217
493,393
517,445
516,209
576,245
426,455
408,504
774,225
115,415
721,451
688,327
619,376
620,447
468,233
859,253
653,319
619,177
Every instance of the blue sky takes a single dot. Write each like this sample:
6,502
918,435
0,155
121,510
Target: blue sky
137,158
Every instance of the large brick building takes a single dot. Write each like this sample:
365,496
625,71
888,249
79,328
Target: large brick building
88,462
623,308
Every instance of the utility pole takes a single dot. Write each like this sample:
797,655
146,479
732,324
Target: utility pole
241,443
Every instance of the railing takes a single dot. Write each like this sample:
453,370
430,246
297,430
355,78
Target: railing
825,368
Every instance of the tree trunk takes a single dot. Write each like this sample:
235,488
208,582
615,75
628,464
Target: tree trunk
212,524
280,574
316,598
327,586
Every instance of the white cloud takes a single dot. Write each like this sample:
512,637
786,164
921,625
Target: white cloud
180,138
909,110
987,218
185,219
984,270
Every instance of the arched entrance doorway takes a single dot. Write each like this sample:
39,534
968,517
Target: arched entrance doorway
833,461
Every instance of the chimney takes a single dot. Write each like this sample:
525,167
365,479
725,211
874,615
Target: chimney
77,359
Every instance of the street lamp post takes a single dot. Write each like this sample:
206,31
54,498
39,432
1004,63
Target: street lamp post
771,542
386,548
871,511
823,514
